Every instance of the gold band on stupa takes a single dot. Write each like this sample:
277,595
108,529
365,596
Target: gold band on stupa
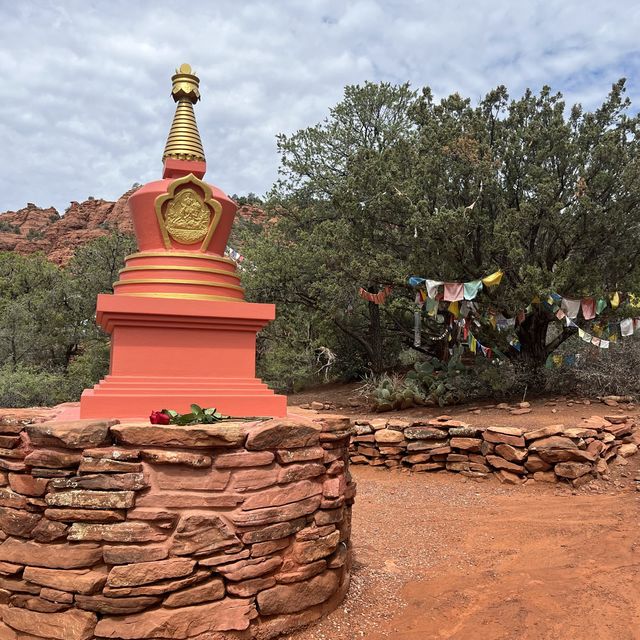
184,142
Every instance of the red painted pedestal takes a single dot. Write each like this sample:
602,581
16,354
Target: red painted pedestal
168,355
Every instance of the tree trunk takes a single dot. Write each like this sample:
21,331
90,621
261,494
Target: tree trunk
375,338
531,359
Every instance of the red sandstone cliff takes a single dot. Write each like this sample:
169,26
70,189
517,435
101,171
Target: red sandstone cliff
58,236
33,229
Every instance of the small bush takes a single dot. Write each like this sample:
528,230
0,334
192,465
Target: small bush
88,368
7,227
598,372
29,387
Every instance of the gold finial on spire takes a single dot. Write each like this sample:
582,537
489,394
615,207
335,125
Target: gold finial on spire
184,142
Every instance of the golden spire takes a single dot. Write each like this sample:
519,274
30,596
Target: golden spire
184,140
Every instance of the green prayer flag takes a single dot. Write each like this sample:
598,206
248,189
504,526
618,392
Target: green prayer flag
471,289
601,305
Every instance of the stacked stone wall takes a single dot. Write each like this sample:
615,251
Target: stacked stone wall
548,454
137,531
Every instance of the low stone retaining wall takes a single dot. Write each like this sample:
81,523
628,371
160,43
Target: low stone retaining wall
132,531
548,454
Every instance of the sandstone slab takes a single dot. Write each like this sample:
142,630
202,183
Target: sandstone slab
105,481
160,456
553,442
272,515
113,453
196,480
27,485
545,476
189,500
535,463
140,573
497,437
305,454
48,531
180,623
248,588
274,531
307,552
500,463
126,554
17,522
91,499
85,581
572,470
512,454
93,465
70,434
54,595
543,432
290,598
290,575
224,558
223,434
295,472
116,532
208,592
466,444
55,556
244,459
115,606
389,436
67,625
53,459
249,568
254,479
283,433
279,496
199,534
157,588
84,515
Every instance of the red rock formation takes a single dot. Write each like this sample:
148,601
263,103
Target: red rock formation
33,229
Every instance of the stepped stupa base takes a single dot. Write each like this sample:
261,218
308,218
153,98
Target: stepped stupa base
169,354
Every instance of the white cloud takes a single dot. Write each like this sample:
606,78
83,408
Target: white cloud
84,97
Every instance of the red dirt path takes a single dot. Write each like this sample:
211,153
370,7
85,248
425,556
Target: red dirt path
439,556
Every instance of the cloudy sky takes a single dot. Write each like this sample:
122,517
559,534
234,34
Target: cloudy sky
84,91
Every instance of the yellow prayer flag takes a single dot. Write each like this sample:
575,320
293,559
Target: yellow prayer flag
557,360
454,309
493,280
615,300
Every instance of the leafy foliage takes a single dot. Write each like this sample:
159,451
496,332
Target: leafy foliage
394,183
48,335
198,415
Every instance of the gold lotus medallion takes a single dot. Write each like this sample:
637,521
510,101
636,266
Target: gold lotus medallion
187,218
188,213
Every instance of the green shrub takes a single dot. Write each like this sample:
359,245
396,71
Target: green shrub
598,372
88,368
25,386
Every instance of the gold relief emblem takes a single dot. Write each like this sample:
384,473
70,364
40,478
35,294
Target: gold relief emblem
188,212
187,218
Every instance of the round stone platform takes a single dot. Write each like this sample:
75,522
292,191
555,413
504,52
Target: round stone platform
137,531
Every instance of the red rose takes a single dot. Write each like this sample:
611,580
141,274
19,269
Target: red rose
157,417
